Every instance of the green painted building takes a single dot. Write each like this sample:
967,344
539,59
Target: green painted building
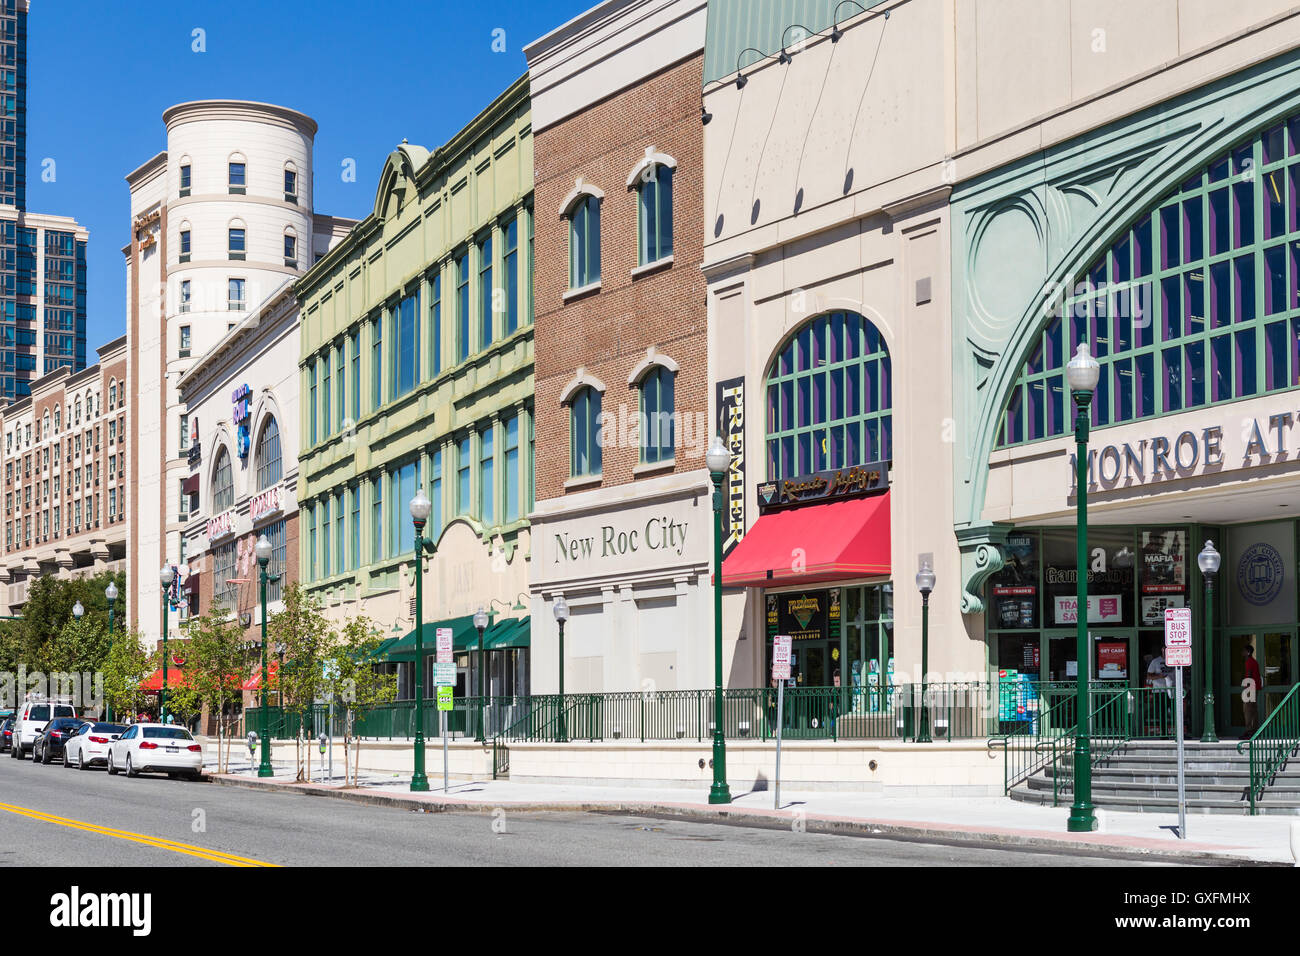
417,371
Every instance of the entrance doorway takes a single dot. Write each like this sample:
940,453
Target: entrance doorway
1275,652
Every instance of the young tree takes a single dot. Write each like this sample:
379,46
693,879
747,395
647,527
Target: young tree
73,656
307,638
126,666
217,666
184,702
358,685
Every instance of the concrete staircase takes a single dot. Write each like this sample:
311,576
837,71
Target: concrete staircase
1142,776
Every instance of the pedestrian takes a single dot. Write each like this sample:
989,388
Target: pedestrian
1250,698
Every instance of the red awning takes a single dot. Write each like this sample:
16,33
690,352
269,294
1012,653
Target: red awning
254,682
827,542
190,485
153,683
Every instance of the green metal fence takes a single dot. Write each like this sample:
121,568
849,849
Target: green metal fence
1273,744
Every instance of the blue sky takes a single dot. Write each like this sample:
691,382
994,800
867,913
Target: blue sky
370,73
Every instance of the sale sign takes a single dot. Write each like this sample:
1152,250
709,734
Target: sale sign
1102,609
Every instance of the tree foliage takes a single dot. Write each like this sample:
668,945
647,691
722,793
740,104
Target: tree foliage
307,636
126,666
217,665
359,687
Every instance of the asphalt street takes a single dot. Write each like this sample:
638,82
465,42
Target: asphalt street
50,816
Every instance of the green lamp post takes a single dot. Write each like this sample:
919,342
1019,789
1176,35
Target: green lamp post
263,550
1082,374
110,594
165,577
1208,560
718,459
420,508
561,610
925,584
481,623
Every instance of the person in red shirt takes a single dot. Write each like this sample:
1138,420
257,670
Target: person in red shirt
1252,705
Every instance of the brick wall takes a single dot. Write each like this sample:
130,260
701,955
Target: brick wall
608,332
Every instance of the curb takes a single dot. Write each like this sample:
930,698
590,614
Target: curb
918,833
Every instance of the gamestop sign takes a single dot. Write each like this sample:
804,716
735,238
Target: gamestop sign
269,502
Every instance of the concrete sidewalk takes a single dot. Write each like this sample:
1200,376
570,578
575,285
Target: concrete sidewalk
988,821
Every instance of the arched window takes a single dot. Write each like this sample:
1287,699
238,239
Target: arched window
290,182
77,413
223,483
58,419
655,214
112,395
584,242
584,432
45,425
829,398
269,468
237,173
1188,307
657,432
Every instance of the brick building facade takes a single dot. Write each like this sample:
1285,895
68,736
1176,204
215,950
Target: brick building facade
623,514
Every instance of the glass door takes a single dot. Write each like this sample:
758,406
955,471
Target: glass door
1274,650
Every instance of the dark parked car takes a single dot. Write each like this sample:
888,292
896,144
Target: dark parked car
7,735
49,744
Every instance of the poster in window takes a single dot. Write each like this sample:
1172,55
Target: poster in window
1164,562
1112,660
1015,586
1153,608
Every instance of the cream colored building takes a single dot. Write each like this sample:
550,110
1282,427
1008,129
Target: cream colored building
219,220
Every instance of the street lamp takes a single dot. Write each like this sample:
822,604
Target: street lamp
481,623
1082,373
165,577
110,594
925,584
420,507
1208,560
263,550
561,610
78,610
718,460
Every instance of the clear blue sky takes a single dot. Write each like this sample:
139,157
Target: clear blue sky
370,73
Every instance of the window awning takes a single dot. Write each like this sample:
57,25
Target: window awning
254,681
815,543
190,485
153,683
464,635
511,632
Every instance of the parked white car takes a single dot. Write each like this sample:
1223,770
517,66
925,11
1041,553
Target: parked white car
89,745
156,748
33,714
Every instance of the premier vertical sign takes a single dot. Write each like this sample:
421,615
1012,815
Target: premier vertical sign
731,426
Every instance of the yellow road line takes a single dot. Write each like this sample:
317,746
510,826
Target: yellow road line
204,853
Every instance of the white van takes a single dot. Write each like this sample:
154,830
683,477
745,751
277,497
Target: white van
32,716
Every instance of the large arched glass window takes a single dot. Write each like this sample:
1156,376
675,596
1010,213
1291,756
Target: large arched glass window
829,398
223,483
657,415
1195,303
584,242
269,469
584,433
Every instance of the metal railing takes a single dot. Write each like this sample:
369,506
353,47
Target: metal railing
1273,744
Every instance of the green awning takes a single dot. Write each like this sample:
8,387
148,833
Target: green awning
512,632
464,635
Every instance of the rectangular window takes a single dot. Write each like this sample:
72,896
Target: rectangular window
435,324
340,386
290,186
185,180
323,516
402,531
311,408
185,432
510,265
406,359
462,305
462,477
291,251
355,492
235,243
185,245
340,540
487,476
235,295
326,408
512,469
435,495
377,360
237,183
485,292
185,295
185,340
356,375
279,555
223,569
311,543
377,518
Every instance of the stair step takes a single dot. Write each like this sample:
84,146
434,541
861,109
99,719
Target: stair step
1159,805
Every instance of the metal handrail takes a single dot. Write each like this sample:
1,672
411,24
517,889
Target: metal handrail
1269,752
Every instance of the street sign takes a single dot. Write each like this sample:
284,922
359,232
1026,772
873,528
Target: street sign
1178,628
1178,656
444,698
444,675
444,645
781,657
